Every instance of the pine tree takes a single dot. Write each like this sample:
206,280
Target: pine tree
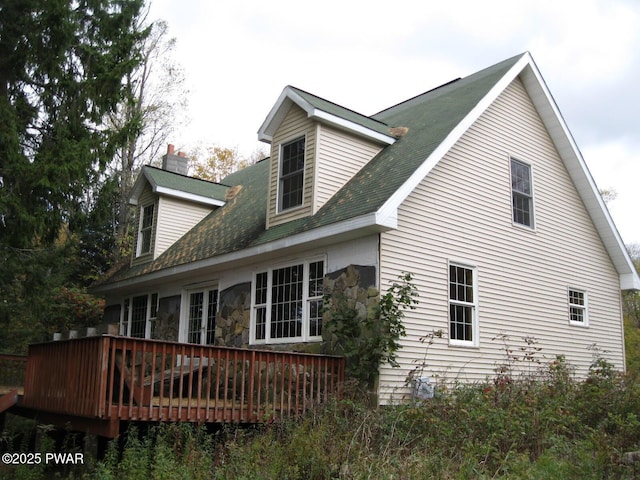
62,65
61,69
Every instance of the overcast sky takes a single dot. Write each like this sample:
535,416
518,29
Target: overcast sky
368,55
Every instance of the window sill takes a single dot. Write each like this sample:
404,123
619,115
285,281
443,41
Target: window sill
290,210
458,344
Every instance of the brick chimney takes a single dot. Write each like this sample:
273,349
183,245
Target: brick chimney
175,163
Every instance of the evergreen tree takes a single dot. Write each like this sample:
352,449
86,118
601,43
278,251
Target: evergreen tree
62,65
62,70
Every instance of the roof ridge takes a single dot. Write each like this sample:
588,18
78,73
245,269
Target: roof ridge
339,106
416,96
186,176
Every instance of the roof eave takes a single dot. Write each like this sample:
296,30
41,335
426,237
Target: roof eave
580,175
526,69
289,97
351,228
191,197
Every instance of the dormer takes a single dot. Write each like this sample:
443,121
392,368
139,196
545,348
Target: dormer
316,148
168,204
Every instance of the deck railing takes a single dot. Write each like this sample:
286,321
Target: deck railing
126,378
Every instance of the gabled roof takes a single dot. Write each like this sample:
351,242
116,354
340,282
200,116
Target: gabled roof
370,200
179,186
324,111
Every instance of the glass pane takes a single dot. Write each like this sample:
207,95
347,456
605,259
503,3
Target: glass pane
315,318
261,320
196,304
212,310
138,316
286,302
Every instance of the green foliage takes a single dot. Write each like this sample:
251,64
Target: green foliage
62,66
370,340
166,452
632,346
546,425
37,297
61,71
535,426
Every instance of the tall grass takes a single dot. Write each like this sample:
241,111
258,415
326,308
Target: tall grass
542,425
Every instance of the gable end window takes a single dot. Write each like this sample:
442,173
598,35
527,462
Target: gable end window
146,229
291,184
287,304
463,306
521,193
578,307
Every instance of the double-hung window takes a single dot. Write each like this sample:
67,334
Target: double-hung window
291,184
139,316
578,307
521,193
146,229
463,305
287,303
203,308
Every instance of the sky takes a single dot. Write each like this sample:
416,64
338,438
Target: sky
237,57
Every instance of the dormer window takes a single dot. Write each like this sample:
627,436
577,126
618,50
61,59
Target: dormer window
291,174
146,227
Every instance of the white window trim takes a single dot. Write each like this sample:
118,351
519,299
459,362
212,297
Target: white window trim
148,318
533,225
293,139
183,330
584,307
139,252
474,305
305,337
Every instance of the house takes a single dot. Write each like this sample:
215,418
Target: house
476,187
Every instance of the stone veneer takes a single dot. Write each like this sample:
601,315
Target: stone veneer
233,323
356,284
234,316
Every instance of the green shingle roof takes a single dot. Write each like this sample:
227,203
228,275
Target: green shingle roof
183,183
241,222
342,112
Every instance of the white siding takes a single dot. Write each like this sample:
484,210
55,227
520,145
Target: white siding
295,125
462,212
340,156
175,218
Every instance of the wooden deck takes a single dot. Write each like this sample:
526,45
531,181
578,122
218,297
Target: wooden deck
95,383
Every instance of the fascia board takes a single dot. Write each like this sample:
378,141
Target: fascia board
364,223
170,192
391,206
276,115
351,126
580,175
567,149
138,187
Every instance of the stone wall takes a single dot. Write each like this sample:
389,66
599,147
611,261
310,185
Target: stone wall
233,323
354,284
234,316
168,319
